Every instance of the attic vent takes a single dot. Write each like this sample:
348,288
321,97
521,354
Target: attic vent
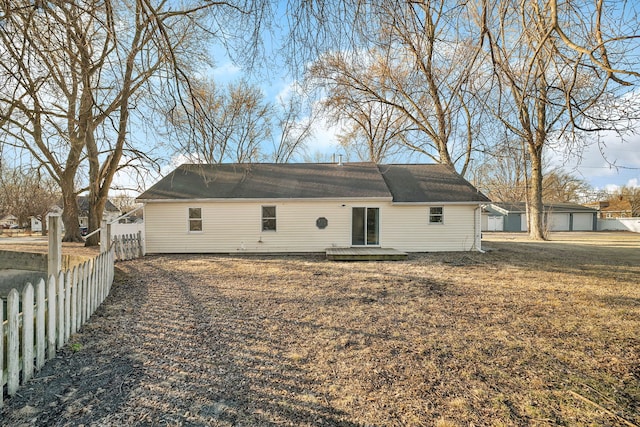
322,223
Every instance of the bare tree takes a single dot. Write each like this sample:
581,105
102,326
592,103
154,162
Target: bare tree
222,124
294,129
72,74
27,194
546,89
375,132
632,194
415,57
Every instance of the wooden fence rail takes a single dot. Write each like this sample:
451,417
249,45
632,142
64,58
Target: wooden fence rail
51,313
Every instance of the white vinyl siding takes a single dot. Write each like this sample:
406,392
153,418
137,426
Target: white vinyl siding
236,227
406,229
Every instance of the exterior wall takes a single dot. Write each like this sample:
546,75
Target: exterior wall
627,224
407,228
235,227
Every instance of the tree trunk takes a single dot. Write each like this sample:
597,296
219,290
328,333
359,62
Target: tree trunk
534,196
96,208
43,221
70,210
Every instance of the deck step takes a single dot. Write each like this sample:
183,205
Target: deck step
365,254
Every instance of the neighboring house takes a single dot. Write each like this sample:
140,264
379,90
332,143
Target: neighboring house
110,213
614,208
288,208
558,217
8,221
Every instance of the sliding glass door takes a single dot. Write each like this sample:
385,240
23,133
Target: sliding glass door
365,226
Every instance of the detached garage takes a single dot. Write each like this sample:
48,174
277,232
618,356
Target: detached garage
558,216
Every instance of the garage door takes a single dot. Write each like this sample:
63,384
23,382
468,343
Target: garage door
495,223
582,222
559,222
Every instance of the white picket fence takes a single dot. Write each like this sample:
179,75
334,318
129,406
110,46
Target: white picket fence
127,246
51,313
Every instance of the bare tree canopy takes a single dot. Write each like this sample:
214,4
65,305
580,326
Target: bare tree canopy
546,90
72,73
229,123
26,194
418,59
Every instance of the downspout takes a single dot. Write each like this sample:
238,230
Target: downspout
477,224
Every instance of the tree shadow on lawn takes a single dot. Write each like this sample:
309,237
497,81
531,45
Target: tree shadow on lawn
217,364
89,378
152,354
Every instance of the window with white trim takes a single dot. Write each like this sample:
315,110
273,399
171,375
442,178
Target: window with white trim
195,219
436,215
268,218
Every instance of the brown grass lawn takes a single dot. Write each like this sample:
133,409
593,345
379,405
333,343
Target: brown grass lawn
529,333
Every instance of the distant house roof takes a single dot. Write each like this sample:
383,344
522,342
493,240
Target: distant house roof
83,206
521,207
400,183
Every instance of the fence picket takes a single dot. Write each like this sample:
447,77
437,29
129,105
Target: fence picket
60,307
67,304
51,317
13,339
40,325
27,333
52,311
73,315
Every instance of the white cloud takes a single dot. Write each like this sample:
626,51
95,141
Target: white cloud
288,90
226,71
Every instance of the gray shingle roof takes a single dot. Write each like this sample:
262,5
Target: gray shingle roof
402,183
428,183
270,181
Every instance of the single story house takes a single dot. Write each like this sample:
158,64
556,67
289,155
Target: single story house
558,217
295,208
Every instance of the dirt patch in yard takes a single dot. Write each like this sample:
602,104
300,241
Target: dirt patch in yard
526,334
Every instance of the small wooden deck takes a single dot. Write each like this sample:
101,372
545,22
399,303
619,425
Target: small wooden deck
365,254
